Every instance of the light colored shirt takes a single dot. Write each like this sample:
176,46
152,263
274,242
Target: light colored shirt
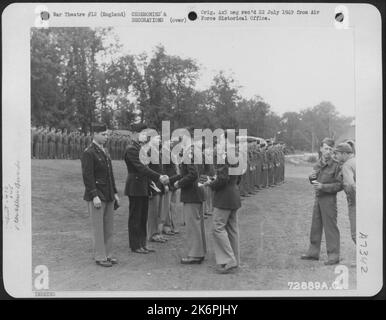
349,175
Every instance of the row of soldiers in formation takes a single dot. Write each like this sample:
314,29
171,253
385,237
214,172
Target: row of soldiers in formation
265,160
265,167
52,143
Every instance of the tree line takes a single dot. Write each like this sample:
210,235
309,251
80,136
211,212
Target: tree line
79,75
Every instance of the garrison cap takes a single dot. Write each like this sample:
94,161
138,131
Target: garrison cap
343,147
98,127
138,127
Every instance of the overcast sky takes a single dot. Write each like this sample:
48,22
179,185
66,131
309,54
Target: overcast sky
291,68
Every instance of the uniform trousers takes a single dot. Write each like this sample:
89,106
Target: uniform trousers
153,218
137,224
103,228
52,150
193,229
264,178
164,210
176,211
172,218
351,202
270,176
324,216
226,236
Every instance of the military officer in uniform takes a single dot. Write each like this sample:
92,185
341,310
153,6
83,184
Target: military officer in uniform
226,202
65,143
344,154
100,194
270,158
192,197
327,183
58,144
39,144
264,168
137,190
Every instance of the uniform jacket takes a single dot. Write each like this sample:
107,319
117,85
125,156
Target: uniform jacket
190,192
226,190
349,176
97,174
138,174
328,174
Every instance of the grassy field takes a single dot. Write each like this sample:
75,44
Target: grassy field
274,231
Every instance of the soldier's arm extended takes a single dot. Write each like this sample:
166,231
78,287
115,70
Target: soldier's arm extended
174,178
132,156
190,177
88,174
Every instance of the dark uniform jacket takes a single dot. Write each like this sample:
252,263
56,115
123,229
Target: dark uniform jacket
97,174
328,173
190,192
226,189
139,175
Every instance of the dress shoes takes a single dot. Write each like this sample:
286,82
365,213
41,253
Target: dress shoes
104,263
191,260
140,250
308,257
331,262
227,268
148,249
112,260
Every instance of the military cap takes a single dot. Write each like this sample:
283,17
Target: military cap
138,127
328,141
98,127
343,147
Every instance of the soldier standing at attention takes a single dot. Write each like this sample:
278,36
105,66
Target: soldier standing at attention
270,165
33,141
51,143
70,139
39,145
259,165
265,166
346,158
58,144
276,163
44,148
100,195
327,183
65,143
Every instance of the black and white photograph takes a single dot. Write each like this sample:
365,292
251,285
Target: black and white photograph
202,150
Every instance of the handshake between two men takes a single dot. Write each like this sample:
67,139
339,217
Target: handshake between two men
164,179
